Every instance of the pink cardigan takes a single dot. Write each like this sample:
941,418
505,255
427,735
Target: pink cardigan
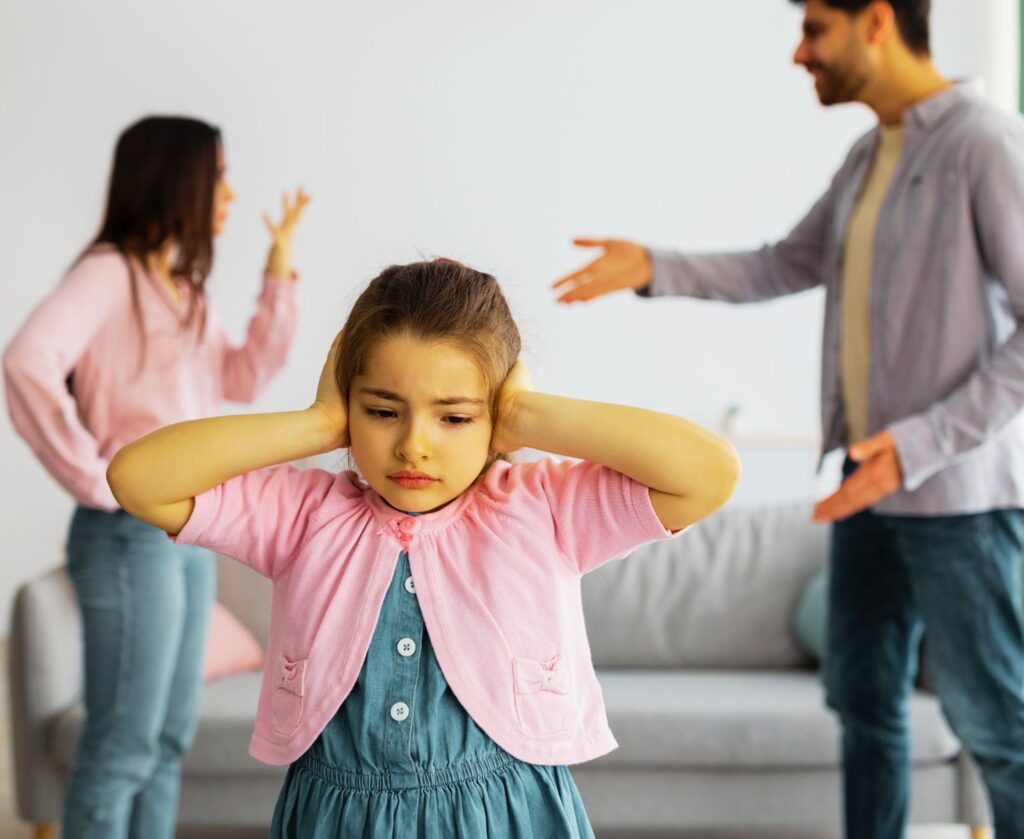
497,573
88,325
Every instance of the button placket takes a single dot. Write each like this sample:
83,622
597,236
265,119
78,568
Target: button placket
399,737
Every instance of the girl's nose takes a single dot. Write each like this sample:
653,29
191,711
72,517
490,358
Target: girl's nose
413,447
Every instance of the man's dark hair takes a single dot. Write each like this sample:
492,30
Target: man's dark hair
911,19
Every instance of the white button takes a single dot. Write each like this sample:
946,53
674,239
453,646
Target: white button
406,647
399,711
410,586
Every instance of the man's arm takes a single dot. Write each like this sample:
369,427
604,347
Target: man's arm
789,266
993,394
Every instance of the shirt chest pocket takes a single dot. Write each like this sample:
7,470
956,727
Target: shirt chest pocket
932,201
544,696
288,697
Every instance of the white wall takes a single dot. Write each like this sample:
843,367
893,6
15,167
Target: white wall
490,133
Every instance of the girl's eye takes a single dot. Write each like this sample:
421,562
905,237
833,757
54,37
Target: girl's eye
455,420
381,413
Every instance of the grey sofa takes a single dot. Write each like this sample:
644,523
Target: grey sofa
718,712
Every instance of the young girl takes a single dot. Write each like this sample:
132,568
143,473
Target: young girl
428,673
125,344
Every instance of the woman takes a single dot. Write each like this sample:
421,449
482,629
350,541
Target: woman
127,343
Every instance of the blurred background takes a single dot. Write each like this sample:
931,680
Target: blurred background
490,133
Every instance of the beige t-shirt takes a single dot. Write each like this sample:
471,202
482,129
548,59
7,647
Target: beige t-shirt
858,259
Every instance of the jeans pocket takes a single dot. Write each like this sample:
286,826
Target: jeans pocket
543,696
287,700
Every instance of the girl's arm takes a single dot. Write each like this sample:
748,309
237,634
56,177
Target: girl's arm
157,477
690,472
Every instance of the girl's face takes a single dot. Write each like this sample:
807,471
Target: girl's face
223,194
419,422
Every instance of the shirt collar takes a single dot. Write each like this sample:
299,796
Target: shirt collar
928,113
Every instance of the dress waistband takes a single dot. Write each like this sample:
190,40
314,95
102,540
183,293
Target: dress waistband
468,770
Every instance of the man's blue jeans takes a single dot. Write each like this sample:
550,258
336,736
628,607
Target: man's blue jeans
958,580
145,611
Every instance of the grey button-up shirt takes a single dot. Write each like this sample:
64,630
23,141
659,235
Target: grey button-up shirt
947,301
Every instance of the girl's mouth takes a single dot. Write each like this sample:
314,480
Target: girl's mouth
412,480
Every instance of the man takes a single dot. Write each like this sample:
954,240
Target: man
919,242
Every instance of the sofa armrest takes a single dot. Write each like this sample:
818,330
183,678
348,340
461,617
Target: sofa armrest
45,672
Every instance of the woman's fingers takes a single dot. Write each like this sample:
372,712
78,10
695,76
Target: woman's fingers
293,208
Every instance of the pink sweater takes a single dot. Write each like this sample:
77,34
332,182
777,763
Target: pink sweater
497,573
88,326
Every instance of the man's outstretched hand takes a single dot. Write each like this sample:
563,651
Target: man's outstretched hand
623,265
878,476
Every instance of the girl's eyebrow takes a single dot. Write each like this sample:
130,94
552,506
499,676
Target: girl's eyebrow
394,397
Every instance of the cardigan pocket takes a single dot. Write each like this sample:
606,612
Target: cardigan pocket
288,697
544,696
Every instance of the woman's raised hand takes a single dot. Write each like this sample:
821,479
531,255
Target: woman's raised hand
328,400
279,259
507,425
623,265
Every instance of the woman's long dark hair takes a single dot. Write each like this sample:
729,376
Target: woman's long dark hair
162,185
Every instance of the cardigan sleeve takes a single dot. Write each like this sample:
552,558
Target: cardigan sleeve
261,518
595,513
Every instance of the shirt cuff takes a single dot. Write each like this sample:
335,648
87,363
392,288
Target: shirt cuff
639,498
98,496
202,514
274,284
917,449
664,264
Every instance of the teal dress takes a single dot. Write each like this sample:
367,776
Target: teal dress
402,758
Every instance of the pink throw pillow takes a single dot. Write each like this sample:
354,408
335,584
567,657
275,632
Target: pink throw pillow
230,647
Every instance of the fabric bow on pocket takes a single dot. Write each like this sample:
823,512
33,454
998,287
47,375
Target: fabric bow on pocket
287,699
533,676
292,676
543,696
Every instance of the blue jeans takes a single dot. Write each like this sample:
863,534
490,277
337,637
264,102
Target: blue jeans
145,611
957,579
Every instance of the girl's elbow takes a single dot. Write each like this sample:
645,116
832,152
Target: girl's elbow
721,477
119,473
730,469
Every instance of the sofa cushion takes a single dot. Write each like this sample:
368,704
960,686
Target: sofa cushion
810,620
231,647
662,719
721,595
740,719
222,740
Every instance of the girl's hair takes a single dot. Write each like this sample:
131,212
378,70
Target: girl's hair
162,185
435,301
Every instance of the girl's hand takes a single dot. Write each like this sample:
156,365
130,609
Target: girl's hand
328,401
279,259
507,425
622,265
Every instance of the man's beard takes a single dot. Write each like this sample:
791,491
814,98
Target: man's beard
838,84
